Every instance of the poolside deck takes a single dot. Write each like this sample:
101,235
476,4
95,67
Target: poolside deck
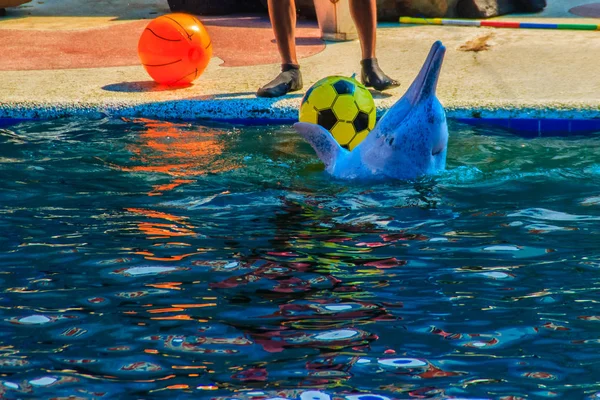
58,62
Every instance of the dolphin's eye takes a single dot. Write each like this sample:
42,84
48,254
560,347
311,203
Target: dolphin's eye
436,151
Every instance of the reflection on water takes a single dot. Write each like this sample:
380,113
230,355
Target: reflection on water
147,259
177,150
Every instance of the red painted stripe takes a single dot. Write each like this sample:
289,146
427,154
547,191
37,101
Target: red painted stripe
501,24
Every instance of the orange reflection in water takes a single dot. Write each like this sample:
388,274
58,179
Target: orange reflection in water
165,310
179,152
163,230
173,226
166,285
158,214
180,386
175,318
159,189
172,258
194,305
176,150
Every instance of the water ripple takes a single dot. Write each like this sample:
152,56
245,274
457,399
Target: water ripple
149,259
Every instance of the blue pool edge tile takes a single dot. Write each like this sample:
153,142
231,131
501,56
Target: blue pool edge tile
531,121
538,126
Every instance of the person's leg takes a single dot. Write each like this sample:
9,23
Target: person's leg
364,14
283,18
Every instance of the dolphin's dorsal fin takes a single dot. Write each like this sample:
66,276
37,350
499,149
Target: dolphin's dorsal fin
322,141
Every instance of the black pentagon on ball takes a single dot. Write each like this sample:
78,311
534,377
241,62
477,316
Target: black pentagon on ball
361,122
344,87
326,119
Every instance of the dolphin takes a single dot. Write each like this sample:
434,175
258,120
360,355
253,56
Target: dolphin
409,141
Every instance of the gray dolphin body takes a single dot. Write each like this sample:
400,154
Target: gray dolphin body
409,141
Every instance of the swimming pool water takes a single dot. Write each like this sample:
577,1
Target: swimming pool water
147,259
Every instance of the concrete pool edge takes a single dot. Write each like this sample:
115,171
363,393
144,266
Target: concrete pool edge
251,111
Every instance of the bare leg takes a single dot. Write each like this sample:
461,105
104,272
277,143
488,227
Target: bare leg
283,19
364,14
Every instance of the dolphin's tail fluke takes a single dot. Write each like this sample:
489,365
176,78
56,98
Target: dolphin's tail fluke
321,140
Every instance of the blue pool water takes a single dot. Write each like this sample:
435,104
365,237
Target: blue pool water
145,259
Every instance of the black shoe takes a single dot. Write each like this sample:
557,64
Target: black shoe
373,76
289,80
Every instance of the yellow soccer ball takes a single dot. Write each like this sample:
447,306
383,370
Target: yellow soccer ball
341,105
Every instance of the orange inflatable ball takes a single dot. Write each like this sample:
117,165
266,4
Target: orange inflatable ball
175,49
